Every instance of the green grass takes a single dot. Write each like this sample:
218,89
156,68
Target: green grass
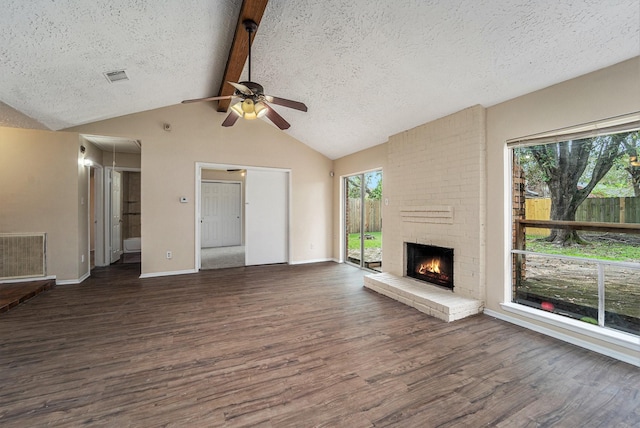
609,250
354,240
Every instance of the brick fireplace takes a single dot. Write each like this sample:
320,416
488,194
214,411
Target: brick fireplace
435,186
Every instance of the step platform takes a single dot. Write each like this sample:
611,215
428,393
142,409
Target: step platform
427,298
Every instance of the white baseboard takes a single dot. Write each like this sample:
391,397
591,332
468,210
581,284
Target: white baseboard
177,272
304,262
35,278
566,338
73,281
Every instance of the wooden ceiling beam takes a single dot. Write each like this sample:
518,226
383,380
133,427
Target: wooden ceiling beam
251,9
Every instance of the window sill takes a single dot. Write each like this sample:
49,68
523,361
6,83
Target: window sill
625,340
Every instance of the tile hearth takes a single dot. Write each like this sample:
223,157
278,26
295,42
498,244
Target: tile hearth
431,300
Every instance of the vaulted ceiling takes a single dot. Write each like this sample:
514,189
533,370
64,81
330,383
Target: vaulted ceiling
366,69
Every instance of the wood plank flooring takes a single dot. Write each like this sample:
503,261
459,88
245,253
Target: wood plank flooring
287,346
12,294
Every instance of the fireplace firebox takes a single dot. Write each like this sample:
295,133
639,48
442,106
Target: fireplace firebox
430,263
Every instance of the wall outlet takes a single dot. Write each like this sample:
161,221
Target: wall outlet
311,246
169,254
82,258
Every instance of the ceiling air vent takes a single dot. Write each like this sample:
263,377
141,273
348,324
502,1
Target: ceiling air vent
116,76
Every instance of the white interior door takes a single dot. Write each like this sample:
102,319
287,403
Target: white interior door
220,214
116,216
266,212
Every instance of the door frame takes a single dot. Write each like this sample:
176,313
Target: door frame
97,206
239,202
106,261
198,178
343,208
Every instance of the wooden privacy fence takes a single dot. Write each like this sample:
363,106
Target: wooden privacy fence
372,215
601,210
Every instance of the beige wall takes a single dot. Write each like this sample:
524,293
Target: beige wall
365,160
123,160
40,184
168,172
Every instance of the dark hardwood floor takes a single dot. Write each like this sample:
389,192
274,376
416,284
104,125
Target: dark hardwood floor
287,346
12,294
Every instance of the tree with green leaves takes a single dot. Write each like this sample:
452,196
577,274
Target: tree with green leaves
372,189
374,185
563,167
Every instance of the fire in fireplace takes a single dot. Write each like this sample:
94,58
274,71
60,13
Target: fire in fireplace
430,263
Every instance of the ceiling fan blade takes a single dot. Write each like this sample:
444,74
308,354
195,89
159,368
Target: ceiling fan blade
231,119
197,100
242,88
276,118
286,103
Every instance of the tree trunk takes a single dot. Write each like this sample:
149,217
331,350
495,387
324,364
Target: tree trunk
635,179
563,208
630,145
563,163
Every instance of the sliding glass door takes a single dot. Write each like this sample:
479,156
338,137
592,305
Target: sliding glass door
363,219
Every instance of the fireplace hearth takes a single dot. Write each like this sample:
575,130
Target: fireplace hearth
430,263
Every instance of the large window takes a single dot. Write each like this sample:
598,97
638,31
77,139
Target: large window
576,226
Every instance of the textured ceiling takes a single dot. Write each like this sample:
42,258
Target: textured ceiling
53,55
366,69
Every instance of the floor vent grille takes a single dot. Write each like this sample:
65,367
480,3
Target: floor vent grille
22,255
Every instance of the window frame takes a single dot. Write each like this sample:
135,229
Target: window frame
624,123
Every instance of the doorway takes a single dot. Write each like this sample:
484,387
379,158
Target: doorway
261,219
96,216
363,219
115,189
113,209
123,229
221,221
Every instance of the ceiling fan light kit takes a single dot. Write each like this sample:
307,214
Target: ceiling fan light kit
253,103
249,110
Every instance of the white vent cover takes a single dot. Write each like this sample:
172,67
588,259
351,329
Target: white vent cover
116,76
